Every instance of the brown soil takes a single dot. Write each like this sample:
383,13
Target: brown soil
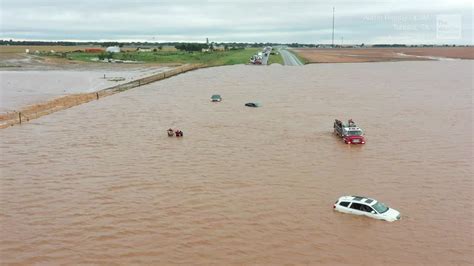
42,48
382,54
59,48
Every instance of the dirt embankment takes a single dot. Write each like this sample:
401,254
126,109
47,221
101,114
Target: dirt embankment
355,55
61,103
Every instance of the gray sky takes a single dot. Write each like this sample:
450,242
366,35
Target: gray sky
284,21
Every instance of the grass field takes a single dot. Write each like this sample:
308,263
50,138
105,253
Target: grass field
231,57
275,59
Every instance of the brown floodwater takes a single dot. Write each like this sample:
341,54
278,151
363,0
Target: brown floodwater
20,88
102,183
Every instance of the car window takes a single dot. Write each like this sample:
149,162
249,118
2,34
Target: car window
380,207
356,206
366,208
344,203
361,207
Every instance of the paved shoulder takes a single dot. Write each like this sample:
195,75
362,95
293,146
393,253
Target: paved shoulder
289,59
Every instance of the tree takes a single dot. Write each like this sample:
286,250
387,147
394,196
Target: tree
190,47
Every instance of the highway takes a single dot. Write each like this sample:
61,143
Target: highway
265,57
289,59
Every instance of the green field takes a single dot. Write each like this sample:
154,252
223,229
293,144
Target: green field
215,58
275,59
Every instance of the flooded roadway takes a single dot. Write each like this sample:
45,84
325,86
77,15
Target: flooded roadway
101,183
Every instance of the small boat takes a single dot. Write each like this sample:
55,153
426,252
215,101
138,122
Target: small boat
216,98
253,105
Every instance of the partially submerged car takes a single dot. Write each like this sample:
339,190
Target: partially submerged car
366,206
216,98
350,132
253,104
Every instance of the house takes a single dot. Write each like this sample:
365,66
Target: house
144,49
94,50
113,49
219,48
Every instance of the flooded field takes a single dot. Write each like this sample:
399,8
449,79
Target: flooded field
102,183
19,88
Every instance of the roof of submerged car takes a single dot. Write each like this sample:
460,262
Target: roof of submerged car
362,199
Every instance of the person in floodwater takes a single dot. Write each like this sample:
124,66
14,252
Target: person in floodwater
179,133
170,132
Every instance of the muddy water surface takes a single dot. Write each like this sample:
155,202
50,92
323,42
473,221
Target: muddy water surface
19,88
102,182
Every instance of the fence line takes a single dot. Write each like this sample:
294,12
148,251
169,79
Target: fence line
68,101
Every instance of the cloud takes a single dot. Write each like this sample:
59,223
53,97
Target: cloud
283,21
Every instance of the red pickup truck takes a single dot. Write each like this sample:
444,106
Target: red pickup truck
350,132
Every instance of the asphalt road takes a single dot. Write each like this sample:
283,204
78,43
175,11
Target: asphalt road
289,59
265,57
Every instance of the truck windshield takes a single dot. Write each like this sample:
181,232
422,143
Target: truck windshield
380,207
354,133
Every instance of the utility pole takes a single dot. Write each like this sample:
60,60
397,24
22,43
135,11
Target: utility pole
333,9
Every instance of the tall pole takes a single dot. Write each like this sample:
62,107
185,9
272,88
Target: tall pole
333,8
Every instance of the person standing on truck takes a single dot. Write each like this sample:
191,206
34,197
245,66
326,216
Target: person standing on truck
351,123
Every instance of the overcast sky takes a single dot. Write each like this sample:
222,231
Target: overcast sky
283,21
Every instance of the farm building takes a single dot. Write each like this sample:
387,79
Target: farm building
113,49
144,49
94,50
219,48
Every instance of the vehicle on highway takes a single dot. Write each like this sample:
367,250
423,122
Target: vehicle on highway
261,58
256,60
350,132
372,208
216,98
